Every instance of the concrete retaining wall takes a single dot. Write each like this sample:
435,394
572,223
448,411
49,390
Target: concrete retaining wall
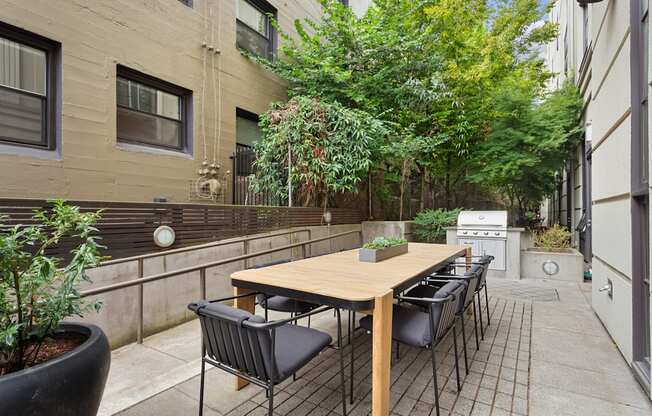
396,229
165,300
570,264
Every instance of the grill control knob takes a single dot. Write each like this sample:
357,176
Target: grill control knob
465,232
475,233
497,233
486,233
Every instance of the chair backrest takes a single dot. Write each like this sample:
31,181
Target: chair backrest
443,314
484,261
472,278
229,343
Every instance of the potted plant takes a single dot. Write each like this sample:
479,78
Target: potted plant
552,257
48,366
382,248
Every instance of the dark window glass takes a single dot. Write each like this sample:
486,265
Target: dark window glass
255,33
645,64
150,111
26,88
21,117
585,26
187,2
566,51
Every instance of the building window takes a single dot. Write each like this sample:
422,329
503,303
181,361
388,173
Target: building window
187,2
247,134
566,51
150,111
27,88
585,26
255,32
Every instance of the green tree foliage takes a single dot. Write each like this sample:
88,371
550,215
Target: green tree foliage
329,148
529,143
430,225
38,291
427,69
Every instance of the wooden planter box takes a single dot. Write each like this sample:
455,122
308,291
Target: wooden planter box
373,255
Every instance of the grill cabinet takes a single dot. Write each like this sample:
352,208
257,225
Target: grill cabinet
486,233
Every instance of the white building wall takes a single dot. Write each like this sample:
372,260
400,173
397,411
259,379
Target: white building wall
603,75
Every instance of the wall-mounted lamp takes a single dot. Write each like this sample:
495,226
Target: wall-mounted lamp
328,217
164,236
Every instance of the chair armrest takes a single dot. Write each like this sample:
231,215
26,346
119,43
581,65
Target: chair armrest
427,300
281,322
196,305
445,276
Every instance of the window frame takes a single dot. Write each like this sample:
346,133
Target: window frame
188,3
266,9
49,102
185,101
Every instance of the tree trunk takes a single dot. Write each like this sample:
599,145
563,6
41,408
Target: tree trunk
424,189
406,163
447,182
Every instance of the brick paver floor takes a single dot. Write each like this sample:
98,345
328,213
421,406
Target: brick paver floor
497,379
545,353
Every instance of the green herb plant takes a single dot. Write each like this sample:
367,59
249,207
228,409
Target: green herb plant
38,291
384,242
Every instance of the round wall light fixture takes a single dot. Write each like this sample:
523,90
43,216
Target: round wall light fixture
550,267
328,217
164,236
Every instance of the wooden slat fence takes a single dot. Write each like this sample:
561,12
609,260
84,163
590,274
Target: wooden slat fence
126,228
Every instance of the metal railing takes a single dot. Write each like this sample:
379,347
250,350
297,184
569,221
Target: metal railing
141,279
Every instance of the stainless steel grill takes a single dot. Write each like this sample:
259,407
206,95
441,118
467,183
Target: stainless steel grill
486,232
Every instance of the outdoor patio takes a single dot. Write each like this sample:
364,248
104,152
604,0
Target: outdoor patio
545,353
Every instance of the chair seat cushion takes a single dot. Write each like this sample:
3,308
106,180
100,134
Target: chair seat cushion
295,347
285,304
409,326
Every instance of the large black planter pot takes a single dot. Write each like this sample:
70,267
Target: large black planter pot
70,385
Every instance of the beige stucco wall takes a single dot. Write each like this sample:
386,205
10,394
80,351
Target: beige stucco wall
605,85
612,245
162,38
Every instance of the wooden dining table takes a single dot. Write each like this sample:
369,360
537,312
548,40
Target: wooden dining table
342,281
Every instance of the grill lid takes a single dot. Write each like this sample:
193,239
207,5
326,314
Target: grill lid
482,219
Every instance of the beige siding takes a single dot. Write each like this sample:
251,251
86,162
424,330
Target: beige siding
161,38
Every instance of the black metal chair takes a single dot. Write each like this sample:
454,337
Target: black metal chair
484,261
283,303
263,353
420,329
432,284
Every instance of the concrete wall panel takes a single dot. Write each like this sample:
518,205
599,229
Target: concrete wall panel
611,160
612,234
616,313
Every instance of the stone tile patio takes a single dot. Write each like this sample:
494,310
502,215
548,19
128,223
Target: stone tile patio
545,353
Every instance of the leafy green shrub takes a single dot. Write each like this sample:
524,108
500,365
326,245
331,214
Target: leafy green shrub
36,291
384,242
430,225
554,238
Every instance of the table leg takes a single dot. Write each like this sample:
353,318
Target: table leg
247,304
381,354
469,258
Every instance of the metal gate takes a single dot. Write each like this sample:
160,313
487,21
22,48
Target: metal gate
243,168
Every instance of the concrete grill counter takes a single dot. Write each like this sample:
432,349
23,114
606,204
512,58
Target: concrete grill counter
487,233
